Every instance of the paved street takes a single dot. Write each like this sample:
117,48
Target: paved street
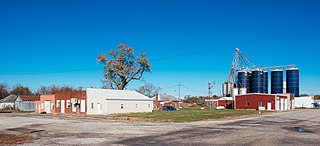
298,127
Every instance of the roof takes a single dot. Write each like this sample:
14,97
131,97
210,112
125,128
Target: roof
11,98
112,94
165,97
30,97
226,98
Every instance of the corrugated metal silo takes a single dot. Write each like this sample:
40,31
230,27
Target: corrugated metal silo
257,81
243,79
265,82
276,81
292,81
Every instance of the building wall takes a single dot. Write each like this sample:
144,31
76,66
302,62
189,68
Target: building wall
225,103
127,106
6,105
303,102
98,103
253,100
69,99
40,105
24,105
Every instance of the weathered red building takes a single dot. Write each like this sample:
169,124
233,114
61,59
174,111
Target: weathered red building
226,102
71,102
264,101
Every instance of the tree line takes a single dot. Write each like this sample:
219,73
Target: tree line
18,89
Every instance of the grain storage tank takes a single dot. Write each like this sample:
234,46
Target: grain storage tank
265,82
243,79
276,81
257,81
292,81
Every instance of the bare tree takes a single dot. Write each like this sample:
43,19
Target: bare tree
122,66
148,89
43,90
4,90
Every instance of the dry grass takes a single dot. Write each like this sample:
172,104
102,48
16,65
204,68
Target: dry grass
10,139
187,115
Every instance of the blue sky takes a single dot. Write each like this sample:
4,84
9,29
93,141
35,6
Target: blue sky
52,36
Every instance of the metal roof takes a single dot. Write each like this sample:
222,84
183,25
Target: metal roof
9,99
226,98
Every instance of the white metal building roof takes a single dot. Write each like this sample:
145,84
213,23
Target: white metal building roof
111,94
226,98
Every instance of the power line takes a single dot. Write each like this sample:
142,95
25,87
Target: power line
185,54
241,43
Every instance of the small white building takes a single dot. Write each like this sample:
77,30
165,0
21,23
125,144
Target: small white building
8,102
303,102
109,101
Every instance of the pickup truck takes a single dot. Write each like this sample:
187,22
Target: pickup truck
169,108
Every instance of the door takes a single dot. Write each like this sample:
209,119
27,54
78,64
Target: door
62,106
281,104
47,106
285,104
83,106
99,108
269,106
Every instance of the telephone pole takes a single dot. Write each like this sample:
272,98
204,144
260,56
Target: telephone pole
209,92
179,95
210,99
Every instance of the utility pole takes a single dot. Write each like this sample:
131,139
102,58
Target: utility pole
210,99
209,91
179,95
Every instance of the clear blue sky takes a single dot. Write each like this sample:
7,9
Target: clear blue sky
49,36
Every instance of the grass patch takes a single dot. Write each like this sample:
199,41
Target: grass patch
191,114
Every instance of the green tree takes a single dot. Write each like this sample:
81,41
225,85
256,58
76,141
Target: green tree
21,90
122,66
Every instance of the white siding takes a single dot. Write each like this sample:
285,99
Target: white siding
135,106
306,102
109,102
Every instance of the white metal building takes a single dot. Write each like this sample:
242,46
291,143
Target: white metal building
303,102
109,101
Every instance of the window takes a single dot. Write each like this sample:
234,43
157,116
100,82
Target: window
92,105
121,106
247,103
259,104
68,104
148,105
58,104
136,105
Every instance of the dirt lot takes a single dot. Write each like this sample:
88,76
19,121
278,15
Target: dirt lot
298,127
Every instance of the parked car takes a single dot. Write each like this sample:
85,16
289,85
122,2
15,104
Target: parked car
316,104
169,108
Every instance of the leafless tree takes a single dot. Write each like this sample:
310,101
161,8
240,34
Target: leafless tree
4,90
122,66
148,89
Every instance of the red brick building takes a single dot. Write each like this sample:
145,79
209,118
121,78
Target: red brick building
71,102
264,101
63,102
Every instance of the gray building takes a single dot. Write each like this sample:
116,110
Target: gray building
23,102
